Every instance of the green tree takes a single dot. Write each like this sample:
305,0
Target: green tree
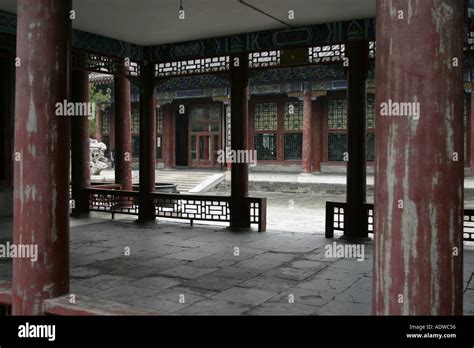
100,99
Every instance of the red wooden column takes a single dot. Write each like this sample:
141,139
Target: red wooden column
239,207
168,135
471,129
147,142
123,131
99,123
419,187
358,52
41,185
80,148
307,132
317,130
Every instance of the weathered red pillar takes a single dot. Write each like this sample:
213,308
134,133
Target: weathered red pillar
80,148
147,142
419,162
468,125
239,207
471,130
41,185
307,132
168,135
123,131
99,123
358,54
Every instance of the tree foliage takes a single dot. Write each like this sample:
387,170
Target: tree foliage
100,98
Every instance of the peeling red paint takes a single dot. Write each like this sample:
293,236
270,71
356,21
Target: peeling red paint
414,245
123,137
43,41
307,132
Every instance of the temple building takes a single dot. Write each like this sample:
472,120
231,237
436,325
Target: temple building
376,92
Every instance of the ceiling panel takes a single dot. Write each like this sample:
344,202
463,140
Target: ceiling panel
150,22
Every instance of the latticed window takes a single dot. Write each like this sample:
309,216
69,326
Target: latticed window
337,114
370,146
293,146
264,59
159,120
266,146
106,120
327,53
370,112
266,116
135,146
159,132
193,66
135,118
294,116
337,146
337,122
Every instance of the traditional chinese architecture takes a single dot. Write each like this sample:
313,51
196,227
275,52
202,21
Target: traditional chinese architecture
302,91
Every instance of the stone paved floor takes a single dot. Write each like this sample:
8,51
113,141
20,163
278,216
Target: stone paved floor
179,270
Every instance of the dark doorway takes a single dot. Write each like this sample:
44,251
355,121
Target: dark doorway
181,138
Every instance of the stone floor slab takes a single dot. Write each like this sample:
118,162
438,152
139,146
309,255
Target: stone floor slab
215,307
157,283
246,296
269,283
105,281
344,308
212,282
188,272
127,294
305,297
282,309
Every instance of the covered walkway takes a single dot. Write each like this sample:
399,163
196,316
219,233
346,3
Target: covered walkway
178,270
368,81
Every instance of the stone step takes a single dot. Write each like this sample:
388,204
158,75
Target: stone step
185,180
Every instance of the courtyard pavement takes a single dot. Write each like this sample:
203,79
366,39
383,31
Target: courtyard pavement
176,269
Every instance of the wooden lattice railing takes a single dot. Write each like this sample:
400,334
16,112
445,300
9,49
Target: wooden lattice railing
335,220
175,206
113,201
